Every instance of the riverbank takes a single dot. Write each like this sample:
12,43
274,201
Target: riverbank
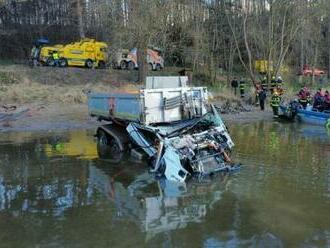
59,116
56,98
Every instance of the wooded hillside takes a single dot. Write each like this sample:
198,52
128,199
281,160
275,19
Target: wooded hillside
229,34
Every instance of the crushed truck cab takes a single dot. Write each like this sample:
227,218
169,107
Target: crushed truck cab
173,125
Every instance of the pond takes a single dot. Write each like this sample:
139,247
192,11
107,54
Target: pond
56,192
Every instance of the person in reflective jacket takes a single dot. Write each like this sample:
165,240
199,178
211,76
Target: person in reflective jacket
275,103
242,87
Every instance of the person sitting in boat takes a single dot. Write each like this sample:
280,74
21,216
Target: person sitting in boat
327,101
304,97
319,99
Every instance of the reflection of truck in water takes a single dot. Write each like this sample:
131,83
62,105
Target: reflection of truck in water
124,59
85,53
156,206
171,123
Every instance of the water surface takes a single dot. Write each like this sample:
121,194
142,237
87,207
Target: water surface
56,192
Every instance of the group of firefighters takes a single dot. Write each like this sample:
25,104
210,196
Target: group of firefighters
276,90
320,101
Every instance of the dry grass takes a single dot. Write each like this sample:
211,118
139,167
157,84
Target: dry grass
22,86
27,92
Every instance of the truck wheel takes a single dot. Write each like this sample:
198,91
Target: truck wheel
63,62
130,66
89,63
113,65
101,65
158,67
123,65
50,62
108,148
150,67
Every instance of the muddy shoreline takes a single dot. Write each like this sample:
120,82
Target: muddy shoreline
55,116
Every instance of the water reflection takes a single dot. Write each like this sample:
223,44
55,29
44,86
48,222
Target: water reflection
54,190
53,175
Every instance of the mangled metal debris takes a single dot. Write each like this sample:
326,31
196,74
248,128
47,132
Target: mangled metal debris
180,133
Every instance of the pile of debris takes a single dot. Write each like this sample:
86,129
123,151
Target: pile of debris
230,107
10,113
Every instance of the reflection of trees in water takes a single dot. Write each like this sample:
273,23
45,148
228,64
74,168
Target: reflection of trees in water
292,157
286,178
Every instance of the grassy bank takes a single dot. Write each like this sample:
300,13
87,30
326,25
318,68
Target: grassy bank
22,84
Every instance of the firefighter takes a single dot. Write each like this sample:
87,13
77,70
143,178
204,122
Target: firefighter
234,85
55,58
275,102
262,98
264,85
273,84
279,82
242,87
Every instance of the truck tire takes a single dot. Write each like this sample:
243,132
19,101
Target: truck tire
150,67
89,63
107,147
130,66
113,65
158,67
123,65
63,62
50,62
101,65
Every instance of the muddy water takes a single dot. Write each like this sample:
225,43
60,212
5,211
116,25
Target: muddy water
55,192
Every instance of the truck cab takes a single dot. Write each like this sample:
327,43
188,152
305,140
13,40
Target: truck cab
85,53
124,59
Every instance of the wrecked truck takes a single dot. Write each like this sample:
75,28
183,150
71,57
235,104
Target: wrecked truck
173,125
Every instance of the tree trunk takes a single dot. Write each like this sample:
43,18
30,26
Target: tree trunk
142,63
302,57
80,19
314,64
